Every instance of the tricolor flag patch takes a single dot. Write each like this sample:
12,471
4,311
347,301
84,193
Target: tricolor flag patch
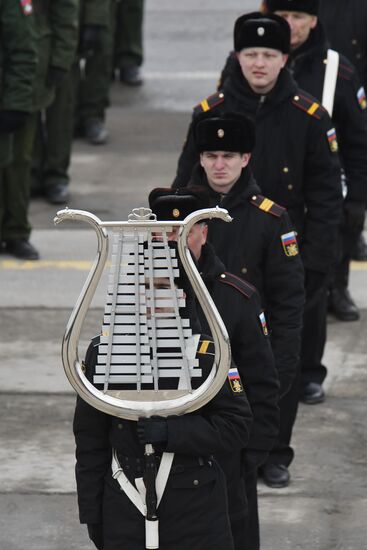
361,96
263,323
333,142
289,242
27,6
234,380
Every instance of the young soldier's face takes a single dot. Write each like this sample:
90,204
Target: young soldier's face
261,67
301,25
223,168
196,238
162,304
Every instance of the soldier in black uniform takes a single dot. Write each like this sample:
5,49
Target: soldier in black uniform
295,162
307,62
258,244
193,512
239,305
345,22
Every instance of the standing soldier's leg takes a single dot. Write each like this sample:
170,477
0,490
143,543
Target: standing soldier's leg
313,372
275,471
2,204
16,227
129,54
59,128
359,253
36,183
252,529
94,87
341,304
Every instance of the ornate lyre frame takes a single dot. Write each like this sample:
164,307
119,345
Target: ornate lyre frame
173,403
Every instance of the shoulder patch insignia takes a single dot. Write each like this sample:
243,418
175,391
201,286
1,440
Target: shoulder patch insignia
209,103
235,381
206,347
361,97
236,282
309,105
267,205
264,326
27,6
289,242
333,142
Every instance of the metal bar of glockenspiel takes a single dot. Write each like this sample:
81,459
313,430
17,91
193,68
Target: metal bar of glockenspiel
116,279
152,312
186,366
137,309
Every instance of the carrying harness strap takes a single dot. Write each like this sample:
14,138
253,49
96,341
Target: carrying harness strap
331,75
137,495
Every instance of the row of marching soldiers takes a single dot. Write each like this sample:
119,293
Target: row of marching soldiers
57,59
264,148
282,145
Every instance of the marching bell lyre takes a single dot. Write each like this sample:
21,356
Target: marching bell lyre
143,338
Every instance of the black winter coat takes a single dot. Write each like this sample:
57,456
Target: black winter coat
292,160
240,308
193,512
239,305
345,23
251,247
307,64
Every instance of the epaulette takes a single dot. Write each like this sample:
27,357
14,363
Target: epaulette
236,282
267,205
308,104
205,347
209,103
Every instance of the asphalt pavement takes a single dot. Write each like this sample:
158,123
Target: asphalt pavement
325,506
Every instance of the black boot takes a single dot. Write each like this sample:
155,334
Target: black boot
360,251
275,475
22,249
58,193
95,131
342,306
311,393
131,76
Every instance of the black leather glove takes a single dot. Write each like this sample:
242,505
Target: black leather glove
354,213
95,532
55,76
254,458
152,430
90,39
11,121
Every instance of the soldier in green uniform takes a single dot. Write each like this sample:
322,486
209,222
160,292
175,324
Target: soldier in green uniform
57,34
128,55
17,68
79,104
92,76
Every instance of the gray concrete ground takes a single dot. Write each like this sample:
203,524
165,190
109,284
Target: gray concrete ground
325,507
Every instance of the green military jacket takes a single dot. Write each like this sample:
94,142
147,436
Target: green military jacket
56,24
94,12
17,63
